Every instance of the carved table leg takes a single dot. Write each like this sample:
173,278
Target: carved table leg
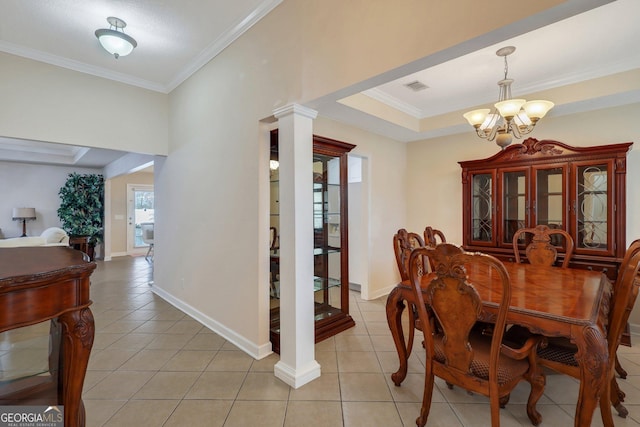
77,340
594,365
395,307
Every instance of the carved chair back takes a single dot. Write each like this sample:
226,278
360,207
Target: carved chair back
431,236
403,243
541,251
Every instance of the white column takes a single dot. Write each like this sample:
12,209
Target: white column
297,365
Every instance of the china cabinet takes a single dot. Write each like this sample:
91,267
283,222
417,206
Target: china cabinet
330,236
578,189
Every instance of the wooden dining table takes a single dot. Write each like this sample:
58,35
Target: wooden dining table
551,301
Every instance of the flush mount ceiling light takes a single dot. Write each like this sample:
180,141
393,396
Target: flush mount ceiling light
509,117
114,40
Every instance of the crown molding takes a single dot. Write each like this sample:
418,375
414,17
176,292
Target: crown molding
223,42
81,67
394,102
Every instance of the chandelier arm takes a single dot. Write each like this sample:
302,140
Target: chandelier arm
491,135
523,130
480,133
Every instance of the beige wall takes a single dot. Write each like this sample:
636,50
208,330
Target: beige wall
118,208
48,103
434,179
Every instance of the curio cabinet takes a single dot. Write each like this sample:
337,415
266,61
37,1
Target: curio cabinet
330,236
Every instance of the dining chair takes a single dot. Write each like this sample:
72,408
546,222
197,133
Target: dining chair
541,251
403,243
274,262
633,248
560,355
433,237
273,238
147,238
457,352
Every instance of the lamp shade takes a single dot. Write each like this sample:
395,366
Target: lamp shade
476,117
114,40
24,213
509,107
538,108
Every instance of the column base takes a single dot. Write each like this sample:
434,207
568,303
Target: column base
297,378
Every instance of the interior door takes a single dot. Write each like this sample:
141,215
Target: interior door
140,208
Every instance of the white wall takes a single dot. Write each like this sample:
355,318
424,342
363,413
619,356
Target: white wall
33,186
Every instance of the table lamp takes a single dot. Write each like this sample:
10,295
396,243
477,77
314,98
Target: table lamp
24,215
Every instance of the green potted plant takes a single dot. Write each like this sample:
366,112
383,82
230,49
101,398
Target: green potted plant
81,210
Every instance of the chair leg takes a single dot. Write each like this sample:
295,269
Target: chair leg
617,397
495,410
504,400
620,370
605,405
148,252
426,398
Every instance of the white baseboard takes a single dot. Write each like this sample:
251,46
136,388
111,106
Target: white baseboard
117,254
379,293
256,351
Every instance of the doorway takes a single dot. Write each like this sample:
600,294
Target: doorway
140,209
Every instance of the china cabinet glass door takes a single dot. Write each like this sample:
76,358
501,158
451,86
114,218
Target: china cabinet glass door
550,199
515,202
482,226
591,208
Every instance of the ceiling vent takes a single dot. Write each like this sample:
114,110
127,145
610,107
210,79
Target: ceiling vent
416,86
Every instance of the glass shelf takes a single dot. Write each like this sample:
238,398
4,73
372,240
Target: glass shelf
317,285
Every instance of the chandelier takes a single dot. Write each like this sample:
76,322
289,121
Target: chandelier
510,117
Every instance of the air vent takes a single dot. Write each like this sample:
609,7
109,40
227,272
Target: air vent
416,86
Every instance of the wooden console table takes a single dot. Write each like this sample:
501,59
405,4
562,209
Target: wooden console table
50,283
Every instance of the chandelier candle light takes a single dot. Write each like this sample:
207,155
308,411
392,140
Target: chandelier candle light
114,40
509,117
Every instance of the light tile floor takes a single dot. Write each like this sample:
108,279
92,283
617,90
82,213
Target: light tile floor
151,365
